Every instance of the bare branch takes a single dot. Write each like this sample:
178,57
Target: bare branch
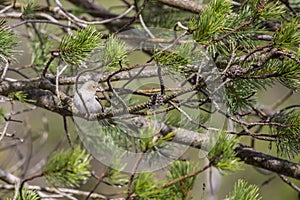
188,5
272,163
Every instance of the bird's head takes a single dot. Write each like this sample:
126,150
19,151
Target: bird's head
89,88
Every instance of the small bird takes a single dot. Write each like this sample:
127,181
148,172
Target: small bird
86,101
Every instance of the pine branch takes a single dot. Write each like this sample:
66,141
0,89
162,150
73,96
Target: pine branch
265,161
58,191
253,157
49,101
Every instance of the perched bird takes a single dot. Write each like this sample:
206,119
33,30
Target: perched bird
86,101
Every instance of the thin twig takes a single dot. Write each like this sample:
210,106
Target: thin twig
3,133
234,30
53,56
187,116
289,55
67,131
134,18
40,21
145,27
133,174
84,23
295,187
185,177
55,190
6,8
26,180
231,57
58,73
169,46
100,179
179,24
5,67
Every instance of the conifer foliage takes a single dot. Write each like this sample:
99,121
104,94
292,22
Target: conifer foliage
242,48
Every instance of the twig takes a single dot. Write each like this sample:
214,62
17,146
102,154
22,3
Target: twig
3,133
25,180
135,167
289,55
53,56
116,95
249,123
83,23
288,5
134,18
67,131
145,27
169,46
187,116
234,30
13,136
58,73
231,57
289,107
265,48
8,177
6,8
41,21
5,67
185,177
271,163
179,24
55,190
100,179
131,78
295,187
18,72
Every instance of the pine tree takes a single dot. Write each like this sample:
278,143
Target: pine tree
174,77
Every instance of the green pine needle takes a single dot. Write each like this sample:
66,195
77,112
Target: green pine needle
179,169
240,95
20,96
114,51
68,168
243,191
27,195
143,182
289,74
288,140
74,49
145,187
29,8
163,17
2,113
211,20
288,36
7,41
222,155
